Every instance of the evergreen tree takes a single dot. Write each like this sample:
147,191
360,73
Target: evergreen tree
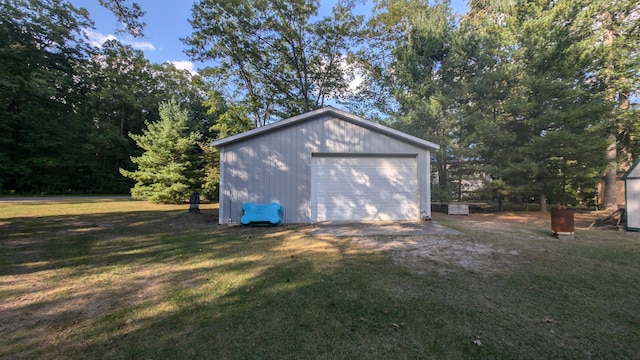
609,36
423,91
559,116
170,167
503,90
547,117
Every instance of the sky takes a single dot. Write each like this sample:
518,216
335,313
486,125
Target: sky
167,22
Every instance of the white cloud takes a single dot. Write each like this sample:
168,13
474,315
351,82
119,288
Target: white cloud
140,45
358,78
97,39
185,65
354,75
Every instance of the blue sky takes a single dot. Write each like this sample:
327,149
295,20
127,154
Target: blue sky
167,22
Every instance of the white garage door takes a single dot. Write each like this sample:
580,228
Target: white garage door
364,188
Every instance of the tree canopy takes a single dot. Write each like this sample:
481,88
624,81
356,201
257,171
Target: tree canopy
515,92
66,107
272,56
130,15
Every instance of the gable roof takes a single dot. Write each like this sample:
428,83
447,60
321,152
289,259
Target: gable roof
630,173
343,115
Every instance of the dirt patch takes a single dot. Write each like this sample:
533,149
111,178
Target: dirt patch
390,228
442,253
418,245
581,219
452,250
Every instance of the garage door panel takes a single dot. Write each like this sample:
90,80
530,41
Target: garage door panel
364,188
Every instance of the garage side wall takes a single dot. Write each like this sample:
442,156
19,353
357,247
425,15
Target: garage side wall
276,166
632,197
632,210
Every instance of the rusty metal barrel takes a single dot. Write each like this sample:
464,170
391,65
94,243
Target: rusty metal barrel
562,222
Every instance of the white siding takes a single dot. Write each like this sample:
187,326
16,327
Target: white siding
276,166
632,187
632,196
348,188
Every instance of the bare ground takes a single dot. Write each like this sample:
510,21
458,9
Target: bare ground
447,251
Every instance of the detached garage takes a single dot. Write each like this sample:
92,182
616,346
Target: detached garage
326,165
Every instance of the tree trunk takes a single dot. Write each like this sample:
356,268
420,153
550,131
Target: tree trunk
625,157
617,160
122,120
609,197
459,185
543,201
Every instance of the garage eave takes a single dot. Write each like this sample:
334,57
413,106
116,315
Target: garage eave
328,111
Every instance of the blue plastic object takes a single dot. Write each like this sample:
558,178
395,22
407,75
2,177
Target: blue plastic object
261,214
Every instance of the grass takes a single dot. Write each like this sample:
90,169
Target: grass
83,279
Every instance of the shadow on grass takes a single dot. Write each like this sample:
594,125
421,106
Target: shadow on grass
167,285
53,242
293,304
173,285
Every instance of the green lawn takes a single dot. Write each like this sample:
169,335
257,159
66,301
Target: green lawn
122,279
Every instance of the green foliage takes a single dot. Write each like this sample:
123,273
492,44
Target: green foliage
522,93
66,108
230,119
555,112
440,194
169,168
211,170
40,46
278,62
504,90
129,16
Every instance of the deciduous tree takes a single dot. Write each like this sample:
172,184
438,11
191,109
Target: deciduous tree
272,56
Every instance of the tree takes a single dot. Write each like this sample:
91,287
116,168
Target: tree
275,60
123,92
554,115
422,91
230,119
483,82
188,89
503,90
375,58
129,15
610,33
66,108
123,86
169,168
41,45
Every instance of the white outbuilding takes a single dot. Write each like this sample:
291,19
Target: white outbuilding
326,165
632,197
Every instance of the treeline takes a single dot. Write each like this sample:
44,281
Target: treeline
530,100
67,108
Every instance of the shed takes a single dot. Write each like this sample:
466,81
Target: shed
326,165
632,196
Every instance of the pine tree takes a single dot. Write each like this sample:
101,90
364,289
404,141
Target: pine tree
169,169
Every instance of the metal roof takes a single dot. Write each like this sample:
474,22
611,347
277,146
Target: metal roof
343,115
